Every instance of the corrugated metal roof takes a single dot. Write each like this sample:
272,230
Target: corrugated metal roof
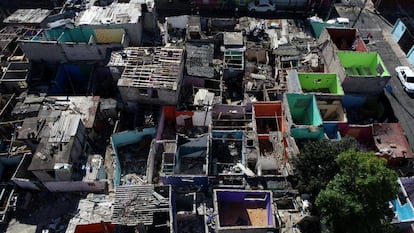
63,129
29,16
116,13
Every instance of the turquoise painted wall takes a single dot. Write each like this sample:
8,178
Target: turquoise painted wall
126,138
78,34
305,115
398,30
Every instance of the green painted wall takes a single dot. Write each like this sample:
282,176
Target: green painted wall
363,64
320,82
305,115
318,27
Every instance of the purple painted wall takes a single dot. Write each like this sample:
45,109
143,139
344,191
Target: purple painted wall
235,196
160,128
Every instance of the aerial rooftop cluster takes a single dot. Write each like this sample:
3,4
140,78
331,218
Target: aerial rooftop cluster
141,120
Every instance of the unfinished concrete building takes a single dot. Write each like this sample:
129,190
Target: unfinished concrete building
293,48
57,159
182,147
258,74
233,48
134,164
270,126
199,60
56,130
245,211
294,213
321,84
73,44
148,75
128,16
228,144
333,40
9,50
12,151
14,79
201,85
190,212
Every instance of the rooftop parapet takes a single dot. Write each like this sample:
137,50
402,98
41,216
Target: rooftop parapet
75,44
360,72
244,211
303,116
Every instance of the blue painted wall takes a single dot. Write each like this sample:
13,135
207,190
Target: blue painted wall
410,56
353,101
332,131
186,182
398,30
77,74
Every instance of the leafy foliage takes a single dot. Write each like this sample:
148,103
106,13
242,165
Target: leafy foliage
357,199
315,166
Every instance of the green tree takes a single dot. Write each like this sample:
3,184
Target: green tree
315,166
357,199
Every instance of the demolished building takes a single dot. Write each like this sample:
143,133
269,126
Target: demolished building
148,75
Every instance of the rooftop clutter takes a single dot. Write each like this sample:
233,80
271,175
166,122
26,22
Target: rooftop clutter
193,133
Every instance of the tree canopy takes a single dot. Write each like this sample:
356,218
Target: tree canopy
357,199
315,166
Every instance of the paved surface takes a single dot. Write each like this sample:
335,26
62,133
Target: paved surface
392,55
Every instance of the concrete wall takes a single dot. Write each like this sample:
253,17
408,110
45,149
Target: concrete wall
78,143
371,85
25,184
66,52
133,31
333,65
43,175
76,186
349,66
129,93
343,39
21,176
332,112
126,138
140,95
